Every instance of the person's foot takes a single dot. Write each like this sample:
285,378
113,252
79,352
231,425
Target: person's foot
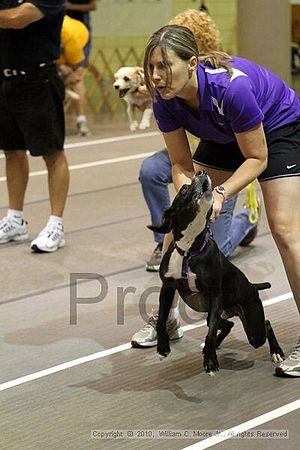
50,239
290,367
147,336
249,237
13,229
153,263
83,129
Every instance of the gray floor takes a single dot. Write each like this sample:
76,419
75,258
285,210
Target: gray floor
123,388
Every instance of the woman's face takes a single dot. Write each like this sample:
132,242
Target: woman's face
173,84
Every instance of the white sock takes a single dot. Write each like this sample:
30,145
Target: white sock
81,119
55,219
174,313
15,214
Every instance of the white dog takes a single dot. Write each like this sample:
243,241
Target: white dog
128,81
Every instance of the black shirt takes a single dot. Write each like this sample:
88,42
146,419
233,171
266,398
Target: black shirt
36,43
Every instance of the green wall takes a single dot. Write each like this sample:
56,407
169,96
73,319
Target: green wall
123,23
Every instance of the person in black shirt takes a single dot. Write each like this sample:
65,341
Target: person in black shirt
80,10
31,113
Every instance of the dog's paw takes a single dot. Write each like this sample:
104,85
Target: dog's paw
144,125
133,126
162,357
163,349
211,365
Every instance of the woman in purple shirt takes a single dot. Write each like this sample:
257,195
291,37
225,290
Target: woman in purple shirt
249,124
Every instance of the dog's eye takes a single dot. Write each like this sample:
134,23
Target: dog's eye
126,79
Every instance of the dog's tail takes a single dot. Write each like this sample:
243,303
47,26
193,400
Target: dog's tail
262,286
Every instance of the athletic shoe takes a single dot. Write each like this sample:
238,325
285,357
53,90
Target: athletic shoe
147,336
12,229
290,367
83,129
249,237
50,238
152,265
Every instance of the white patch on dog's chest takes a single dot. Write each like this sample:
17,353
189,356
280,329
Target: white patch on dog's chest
192,231
175,266
175,270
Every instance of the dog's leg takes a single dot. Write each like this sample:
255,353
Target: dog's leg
277,354
225,327
133,124
165,302
210,362
145,122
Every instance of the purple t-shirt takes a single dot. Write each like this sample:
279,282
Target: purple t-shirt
231,104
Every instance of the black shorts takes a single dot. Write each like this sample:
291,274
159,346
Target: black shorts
32,112
283,154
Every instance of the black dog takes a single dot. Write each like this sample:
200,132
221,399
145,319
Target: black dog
205,279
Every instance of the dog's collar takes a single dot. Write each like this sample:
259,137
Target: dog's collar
187,255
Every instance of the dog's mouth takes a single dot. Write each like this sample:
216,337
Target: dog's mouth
123,92
202,180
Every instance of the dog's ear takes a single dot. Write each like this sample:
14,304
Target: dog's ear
167,223
140,70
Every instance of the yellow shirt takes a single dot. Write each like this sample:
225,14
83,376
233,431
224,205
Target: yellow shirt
74,36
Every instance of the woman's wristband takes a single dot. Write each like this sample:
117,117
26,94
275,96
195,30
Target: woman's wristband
221,190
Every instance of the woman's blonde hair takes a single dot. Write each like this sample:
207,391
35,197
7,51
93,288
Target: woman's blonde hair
190,33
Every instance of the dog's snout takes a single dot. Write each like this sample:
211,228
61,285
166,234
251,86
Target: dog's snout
116,86
201,173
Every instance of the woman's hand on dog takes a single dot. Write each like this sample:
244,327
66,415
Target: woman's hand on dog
141,92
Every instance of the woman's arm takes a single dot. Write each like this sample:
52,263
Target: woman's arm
180,156
253,145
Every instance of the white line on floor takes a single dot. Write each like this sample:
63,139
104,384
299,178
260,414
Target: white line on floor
101,162
104,353
127,137
259,420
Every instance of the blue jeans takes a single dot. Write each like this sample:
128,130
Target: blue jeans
229,229
156,175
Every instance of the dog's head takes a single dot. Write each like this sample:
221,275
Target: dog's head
190,210
128,79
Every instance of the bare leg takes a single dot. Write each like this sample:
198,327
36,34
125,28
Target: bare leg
281,198
79,88
58,181
17,170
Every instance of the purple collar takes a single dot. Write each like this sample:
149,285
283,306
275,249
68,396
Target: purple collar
188,255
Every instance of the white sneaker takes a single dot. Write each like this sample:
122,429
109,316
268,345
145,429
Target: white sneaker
147,336
50,238
83,129
13,229
290,367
